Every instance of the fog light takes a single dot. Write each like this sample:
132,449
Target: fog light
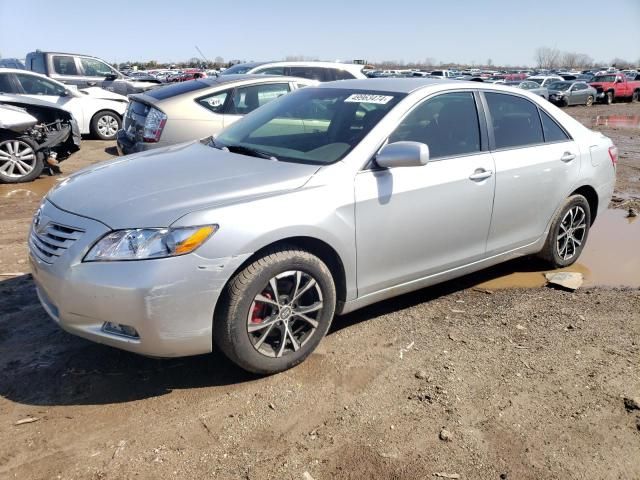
120,329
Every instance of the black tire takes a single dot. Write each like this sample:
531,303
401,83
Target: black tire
552,252
105,125
239,302
590,101
608,98
37,162
635,98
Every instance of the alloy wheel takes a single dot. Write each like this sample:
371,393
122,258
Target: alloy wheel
17,158
107,125
571,233
285,314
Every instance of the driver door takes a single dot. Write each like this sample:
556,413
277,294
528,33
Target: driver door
413,222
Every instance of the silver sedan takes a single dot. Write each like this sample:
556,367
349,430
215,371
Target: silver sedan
319,203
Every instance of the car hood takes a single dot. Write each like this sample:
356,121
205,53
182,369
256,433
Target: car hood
102,94
157,187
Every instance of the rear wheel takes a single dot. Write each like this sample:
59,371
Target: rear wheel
636,97
20,160
568,233
590,100
276,311
105,125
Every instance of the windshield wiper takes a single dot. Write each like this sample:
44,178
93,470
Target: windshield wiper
243,150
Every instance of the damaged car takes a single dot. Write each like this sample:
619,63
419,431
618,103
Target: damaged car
34,135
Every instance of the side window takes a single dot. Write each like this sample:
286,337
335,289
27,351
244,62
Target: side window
312,73
64,65
5,83
552,131
37,64
271,71
247,99
214,102
448,124
95,68
33,85
301,85
515,120
343,75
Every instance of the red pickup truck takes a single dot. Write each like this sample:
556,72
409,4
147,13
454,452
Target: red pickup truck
615,86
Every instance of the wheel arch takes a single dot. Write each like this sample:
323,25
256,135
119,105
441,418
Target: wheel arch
315,246
588,192
109,110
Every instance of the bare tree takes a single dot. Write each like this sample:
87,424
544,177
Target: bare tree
620,63
570,60
584,61
489,62
547,57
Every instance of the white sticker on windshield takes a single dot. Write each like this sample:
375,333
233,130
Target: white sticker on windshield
368,98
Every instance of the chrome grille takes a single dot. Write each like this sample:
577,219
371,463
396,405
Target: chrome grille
50,241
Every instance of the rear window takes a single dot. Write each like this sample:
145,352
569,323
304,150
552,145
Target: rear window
604,78
177,89
552,131
64,65
37,64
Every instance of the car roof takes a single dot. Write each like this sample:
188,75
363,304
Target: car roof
39,52
313,63
241,77
392,84
18,70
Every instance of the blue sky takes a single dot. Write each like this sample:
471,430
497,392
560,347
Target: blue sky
466,31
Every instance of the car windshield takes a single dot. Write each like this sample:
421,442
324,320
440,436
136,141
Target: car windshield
604,78
560,85
312,125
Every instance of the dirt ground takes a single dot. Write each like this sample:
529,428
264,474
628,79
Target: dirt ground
454,381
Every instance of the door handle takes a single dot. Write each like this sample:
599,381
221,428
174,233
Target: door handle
92,84
567,157
480,174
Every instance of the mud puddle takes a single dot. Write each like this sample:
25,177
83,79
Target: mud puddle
611,257
621,121
36,189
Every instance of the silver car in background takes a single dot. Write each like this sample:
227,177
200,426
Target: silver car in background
319,203
197,108
572,93
312,70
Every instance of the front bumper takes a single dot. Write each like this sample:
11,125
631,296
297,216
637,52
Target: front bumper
169,302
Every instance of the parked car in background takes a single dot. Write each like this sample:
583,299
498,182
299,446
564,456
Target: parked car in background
612,87
249,241
97,111
320,71
532,87
448,74
567,93
544,80
34,135
12,63
196,109
84,71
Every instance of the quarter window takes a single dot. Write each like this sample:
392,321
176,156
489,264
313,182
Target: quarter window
343,75
312,73
552,131
448,124
37,64
214,102
515,121
65,65
271,71
247,99
5,84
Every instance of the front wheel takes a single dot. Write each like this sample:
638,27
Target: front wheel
20,160
609,98
590,100
568,233
636,97
105,125
275,311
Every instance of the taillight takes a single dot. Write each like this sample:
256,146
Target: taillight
153,125
613,154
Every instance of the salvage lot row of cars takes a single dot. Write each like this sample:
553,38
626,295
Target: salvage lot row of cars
156,117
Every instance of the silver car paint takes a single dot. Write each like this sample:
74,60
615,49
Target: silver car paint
378,223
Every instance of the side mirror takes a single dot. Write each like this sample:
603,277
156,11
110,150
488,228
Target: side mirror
618,80
111,77
66,93
403,154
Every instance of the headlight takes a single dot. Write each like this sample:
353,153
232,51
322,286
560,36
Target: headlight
146,243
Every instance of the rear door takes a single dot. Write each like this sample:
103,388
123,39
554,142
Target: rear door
66,69
94,73
536,162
